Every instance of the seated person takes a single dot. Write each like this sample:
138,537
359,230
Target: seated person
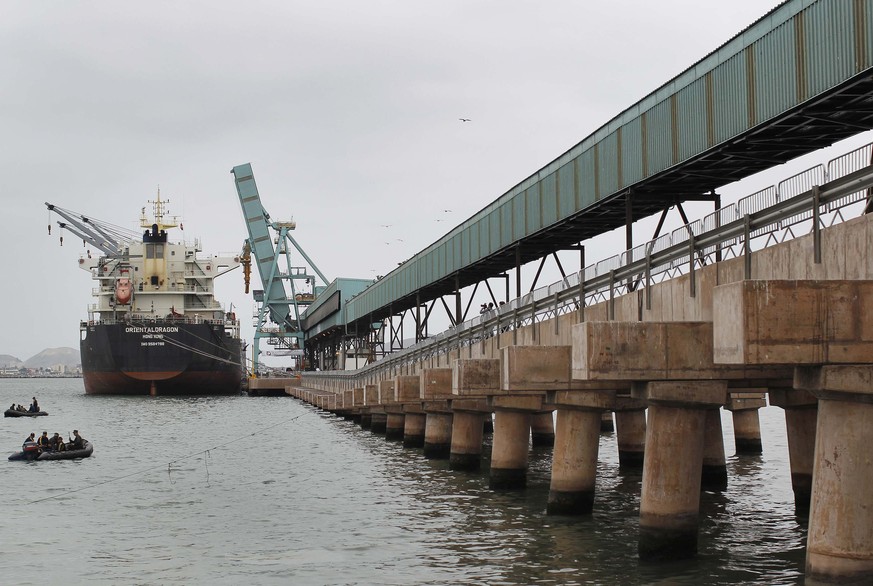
78,442
43,441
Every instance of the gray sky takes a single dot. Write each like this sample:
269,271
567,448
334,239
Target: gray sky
348,112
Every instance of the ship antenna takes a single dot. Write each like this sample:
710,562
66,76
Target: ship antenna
158,210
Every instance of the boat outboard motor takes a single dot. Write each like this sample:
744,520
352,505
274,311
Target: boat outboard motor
31,450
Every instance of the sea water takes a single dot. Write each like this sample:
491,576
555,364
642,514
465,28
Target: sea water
268,490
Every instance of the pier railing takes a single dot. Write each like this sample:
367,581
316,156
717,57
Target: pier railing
811,200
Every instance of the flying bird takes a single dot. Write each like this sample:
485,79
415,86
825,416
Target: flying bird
464,119
447,211
386,225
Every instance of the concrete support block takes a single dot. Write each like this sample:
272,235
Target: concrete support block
436,383
366,419
358,394
371,395
476,376
509,452
793,322
386,392
642,350
574,463
407,388
535,368
714,471
466,448
542,429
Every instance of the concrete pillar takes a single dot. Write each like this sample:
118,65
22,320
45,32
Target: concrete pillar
714,472
801,413
747,426
366,419
438,435
488,426
413,430
542,429
378,422
606,422
574,463
840,542
510,449
673,465
466,449
631,431
394,426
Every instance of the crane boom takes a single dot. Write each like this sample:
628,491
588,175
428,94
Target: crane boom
261,242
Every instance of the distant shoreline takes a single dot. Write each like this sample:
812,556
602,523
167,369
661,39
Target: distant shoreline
40,376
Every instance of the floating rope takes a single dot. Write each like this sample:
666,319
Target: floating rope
168,464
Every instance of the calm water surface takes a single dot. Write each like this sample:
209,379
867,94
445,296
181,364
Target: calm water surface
240,490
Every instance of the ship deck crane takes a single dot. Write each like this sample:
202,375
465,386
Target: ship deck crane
287,292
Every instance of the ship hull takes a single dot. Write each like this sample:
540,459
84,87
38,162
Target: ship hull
160,358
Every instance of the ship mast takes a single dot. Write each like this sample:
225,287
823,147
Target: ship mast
158,211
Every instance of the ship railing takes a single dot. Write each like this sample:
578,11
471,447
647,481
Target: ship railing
143,319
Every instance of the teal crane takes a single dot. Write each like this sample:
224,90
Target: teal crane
286,293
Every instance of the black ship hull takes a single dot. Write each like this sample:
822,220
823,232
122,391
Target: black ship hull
160,358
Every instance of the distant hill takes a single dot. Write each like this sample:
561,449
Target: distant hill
53,357
6,361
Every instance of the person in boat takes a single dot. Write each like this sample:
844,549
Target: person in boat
43,441
34,407
21,408
55,441
30,439
61,446
13,407
77,442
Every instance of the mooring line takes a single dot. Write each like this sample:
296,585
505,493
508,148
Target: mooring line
168,464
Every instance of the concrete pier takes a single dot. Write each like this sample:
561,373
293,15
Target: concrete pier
747,425
407,392
437,430
378,421
714,472
840,543
607,423
577,440
467,431
631,431
413,428
823,327
395,424
509,452
672,470
801,414
542,429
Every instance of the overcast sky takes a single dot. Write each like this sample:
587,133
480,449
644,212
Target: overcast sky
348,111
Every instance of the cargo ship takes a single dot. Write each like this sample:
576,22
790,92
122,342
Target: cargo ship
155,327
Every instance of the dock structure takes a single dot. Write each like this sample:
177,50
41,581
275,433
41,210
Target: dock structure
766,299
787,333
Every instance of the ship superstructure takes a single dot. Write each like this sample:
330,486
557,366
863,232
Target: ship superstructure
155,326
